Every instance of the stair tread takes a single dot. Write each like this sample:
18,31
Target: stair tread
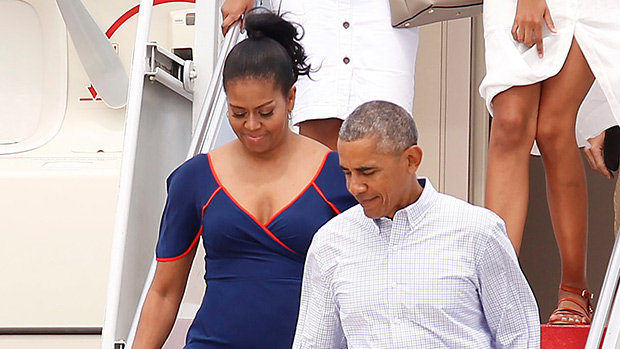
563,336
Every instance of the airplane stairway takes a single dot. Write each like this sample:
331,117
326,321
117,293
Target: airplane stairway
124,307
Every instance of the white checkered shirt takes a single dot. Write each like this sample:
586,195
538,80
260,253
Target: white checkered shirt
441,274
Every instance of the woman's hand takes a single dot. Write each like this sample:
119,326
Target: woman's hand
232,11
527,27
594,155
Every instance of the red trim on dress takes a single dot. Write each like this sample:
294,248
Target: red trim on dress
316,175
316,187
195,241
186,252
258,222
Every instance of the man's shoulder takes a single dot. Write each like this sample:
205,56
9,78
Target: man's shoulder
476,225
346,223
354,215
466,213
449,200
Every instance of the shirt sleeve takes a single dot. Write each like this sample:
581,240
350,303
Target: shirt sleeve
180,224
509,306
318,325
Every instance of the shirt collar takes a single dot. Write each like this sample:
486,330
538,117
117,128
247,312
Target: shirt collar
417,209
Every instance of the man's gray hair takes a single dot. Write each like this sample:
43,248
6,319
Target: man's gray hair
391,125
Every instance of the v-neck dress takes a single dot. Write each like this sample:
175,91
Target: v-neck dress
254,270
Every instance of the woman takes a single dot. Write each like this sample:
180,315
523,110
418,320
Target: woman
256,202
542,58
361,56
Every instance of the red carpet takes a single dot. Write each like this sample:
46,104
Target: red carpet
563,336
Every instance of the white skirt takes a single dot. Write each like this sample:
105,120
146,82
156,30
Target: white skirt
595,25
359,56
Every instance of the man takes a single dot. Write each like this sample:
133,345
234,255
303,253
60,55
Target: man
409,267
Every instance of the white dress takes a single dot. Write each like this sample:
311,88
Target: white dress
595,24
359,56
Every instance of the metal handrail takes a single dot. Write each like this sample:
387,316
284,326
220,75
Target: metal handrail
205,131
207,127
132,125
608,293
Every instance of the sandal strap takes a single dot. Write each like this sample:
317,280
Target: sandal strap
571,312
585,319
584,293
586,312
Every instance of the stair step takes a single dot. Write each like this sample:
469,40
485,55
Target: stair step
563,336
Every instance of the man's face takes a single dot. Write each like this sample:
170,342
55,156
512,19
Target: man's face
380,181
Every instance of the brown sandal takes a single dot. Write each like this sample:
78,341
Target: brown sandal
581,316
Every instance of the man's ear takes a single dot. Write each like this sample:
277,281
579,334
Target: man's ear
291,99
413,156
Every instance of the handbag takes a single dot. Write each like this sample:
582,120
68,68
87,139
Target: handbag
611,148
414,13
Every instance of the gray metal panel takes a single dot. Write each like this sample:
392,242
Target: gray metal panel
163,139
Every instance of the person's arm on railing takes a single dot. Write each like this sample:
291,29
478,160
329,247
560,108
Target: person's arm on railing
232,11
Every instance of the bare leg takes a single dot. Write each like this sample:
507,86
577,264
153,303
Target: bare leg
322,130
512,135
561,97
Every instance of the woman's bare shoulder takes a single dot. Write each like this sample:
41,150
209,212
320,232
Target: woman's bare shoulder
224,152
311,153
310,146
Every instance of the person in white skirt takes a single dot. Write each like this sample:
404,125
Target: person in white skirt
542,58
357,54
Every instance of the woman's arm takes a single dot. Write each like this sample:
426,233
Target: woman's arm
232,11
162,302
527,27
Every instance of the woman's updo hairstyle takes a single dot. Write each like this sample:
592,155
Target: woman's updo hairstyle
271,52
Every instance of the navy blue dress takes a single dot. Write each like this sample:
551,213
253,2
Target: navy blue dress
254,270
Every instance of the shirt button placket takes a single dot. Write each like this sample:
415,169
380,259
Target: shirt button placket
345,72
346,25
394,270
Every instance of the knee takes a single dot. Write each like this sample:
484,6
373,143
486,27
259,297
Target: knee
554,134
546,134
512,129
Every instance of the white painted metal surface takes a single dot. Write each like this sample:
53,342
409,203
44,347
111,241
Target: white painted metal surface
33,83
611,340
157,136
58,188
134,104
102,64
604,310
206,136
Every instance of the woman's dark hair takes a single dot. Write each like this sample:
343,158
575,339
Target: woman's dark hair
271,52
